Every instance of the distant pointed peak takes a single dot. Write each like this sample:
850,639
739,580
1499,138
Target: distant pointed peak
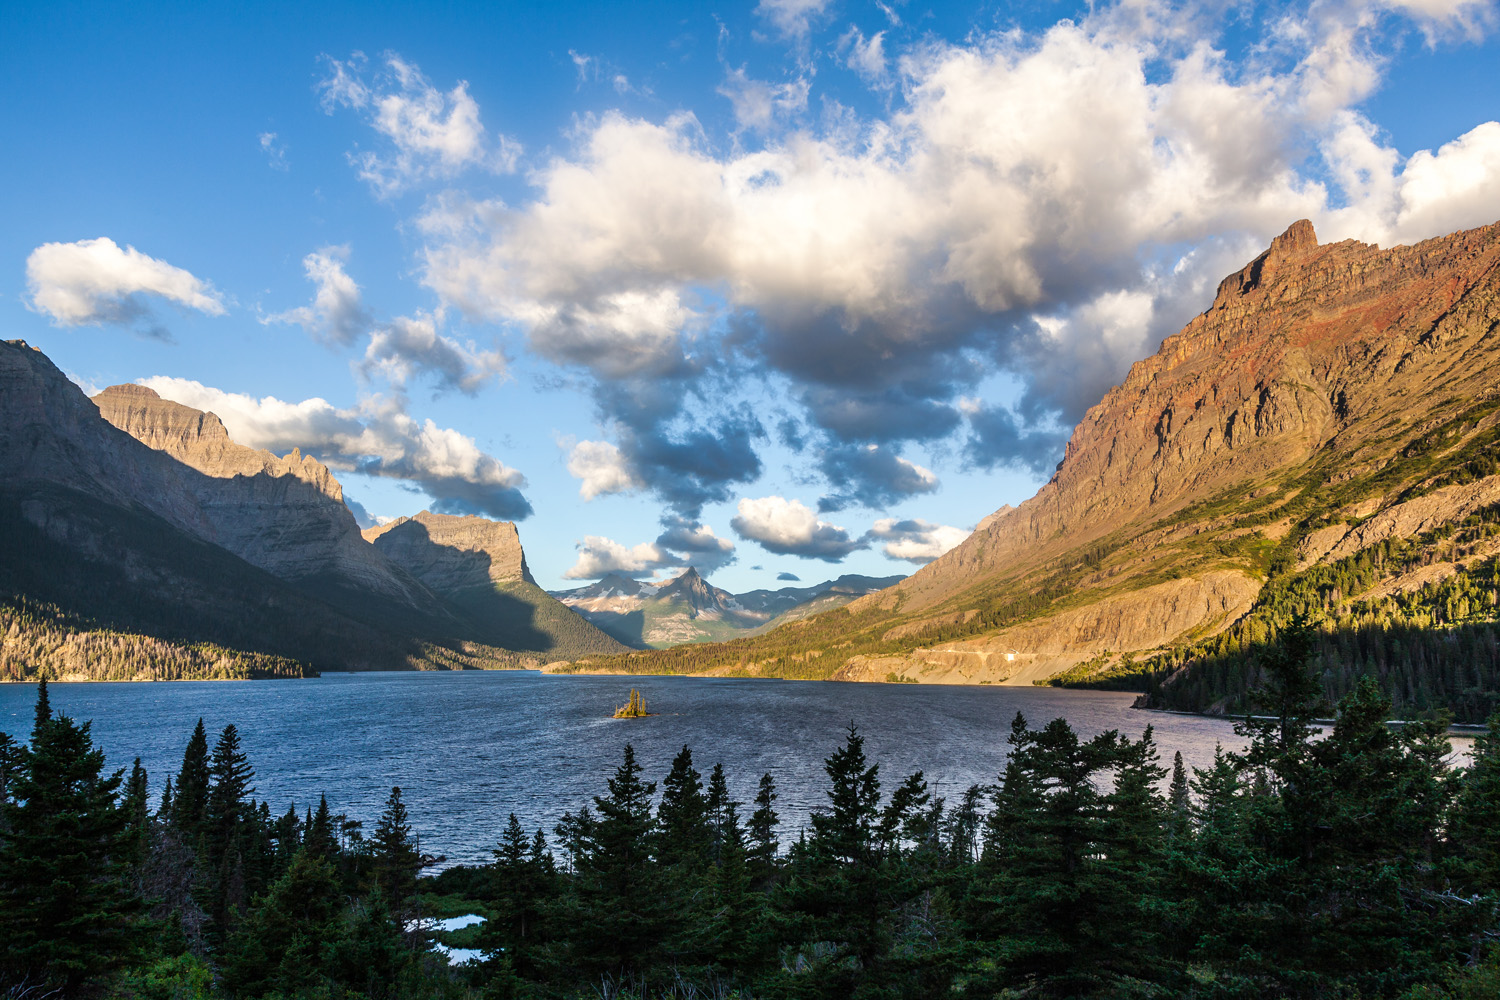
1299,236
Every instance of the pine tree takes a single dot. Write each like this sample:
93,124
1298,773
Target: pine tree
723,815
43,713
845,832
1179,802
321,841
620,914
282,943
522,888
763,823
11,756
682,819
190,803
397,860
65,896
138,812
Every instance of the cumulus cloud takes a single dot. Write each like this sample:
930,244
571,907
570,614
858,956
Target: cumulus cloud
432,135
377,437
601,469
790,528
410,346
1045,204
682,543
695,544
872,476
337,313
915,540
599,556
93,282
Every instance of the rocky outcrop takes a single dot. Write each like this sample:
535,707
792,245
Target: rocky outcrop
1149,618
283,514
450,552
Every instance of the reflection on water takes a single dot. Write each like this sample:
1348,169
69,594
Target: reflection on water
469,748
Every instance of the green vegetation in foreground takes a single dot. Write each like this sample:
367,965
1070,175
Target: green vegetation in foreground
1359,864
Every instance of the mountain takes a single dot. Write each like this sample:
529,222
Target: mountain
138,540
689,609
101,534
792,603
478,567
1321,439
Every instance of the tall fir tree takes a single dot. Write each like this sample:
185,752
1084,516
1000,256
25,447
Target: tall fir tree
190,798
682,818
396,862
66,896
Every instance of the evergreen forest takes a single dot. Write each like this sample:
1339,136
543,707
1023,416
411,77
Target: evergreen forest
1356,860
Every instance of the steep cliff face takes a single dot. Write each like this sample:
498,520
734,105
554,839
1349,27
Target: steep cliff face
479,569
449,552
285,515
1308,346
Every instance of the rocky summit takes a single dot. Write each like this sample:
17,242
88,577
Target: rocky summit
1331,399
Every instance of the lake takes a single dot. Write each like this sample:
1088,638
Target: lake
468,748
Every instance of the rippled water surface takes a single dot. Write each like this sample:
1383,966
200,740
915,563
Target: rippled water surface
468,748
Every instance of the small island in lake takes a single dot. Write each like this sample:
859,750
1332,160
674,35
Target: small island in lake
635,708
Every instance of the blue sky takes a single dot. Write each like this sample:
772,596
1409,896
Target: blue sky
792,286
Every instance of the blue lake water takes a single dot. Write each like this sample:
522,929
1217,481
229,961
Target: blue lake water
468,748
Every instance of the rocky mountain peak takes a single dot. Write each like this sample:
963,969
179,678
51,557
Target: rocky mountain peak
1307,345
200,439
452,552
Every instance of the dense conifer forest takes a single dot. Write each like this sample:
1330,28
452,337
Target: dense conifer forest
1352,862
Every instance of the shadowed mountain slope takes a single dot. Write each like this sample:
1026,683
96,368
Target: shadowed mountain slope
1333,398
479,569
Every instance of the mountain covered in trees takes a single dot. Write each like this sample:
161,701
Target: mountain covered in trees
1356,862
1321,441
690,609
137,540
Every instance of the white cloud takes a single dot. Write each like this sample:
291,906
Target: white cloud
601,469
337,313
792,18
789,527
916,540
410,346
377,437
94,281
865,56
275,151
598,556
434,135
759,104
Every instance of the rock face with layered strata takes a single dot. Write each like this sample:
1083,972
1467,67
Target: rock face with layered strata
283,514
451,552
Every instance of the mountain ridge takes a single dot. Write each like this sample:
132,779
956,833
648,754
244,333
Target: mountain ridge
1325,386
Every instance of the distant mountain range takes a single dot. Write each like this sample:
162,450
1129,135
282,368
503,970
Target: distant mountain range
689,609
137,539
1323,440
